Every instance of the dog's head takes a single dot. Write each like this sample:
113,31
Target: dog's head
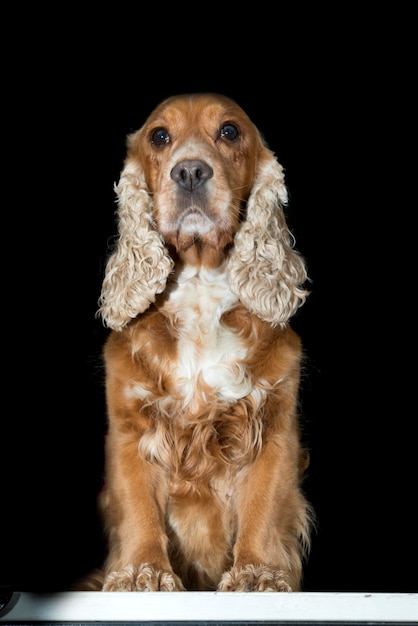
200,184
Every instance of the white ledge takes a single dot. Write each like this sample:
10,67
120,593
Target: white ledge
199,607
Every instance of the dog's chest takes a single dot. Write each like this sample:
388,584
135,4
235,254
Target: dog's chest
209,354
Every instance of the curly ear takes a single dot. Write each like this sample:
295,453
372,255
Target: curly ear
265,271
139,266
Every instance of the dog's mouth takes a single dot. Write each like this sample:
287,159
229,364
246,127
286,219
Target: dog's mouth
196,229
194,221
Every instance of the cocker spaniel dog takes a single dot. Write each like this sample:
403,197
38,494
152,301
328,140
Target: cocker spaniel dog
204,461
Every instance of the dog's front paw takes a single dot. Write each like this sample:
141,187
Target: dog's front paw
142,577
253,578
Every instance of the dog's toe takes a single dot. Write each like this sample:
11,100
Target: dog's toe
253,578
142,577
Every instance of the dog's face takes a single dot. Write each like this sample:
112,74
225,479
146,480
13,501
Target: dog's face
200,188
199,154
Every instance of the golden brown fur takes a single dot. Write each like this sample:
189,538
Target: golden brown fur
203,456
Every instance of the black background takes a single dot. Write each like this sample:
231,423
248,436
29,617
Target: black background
330,94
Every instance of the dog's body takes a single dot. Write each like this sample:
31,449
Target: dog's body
203,456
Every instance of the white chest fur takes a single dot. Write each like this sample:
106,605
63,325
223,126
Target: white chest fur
208,351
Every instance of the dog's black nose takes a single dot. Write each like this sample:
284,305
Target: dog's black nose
191,174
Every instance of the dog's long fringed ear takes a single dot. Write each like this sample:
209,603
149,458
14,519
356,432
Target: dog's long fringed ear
138,267
265,271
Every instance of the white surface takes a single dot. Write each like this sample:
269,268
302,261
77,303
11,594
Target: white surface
212,606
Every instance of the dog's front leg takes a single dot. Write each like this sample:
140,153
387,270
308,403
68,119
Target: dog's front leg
135,499
272,518
134,504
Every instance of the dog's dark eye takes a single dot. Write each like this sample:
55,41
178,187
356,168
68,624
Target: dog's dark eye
230,132
160,137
